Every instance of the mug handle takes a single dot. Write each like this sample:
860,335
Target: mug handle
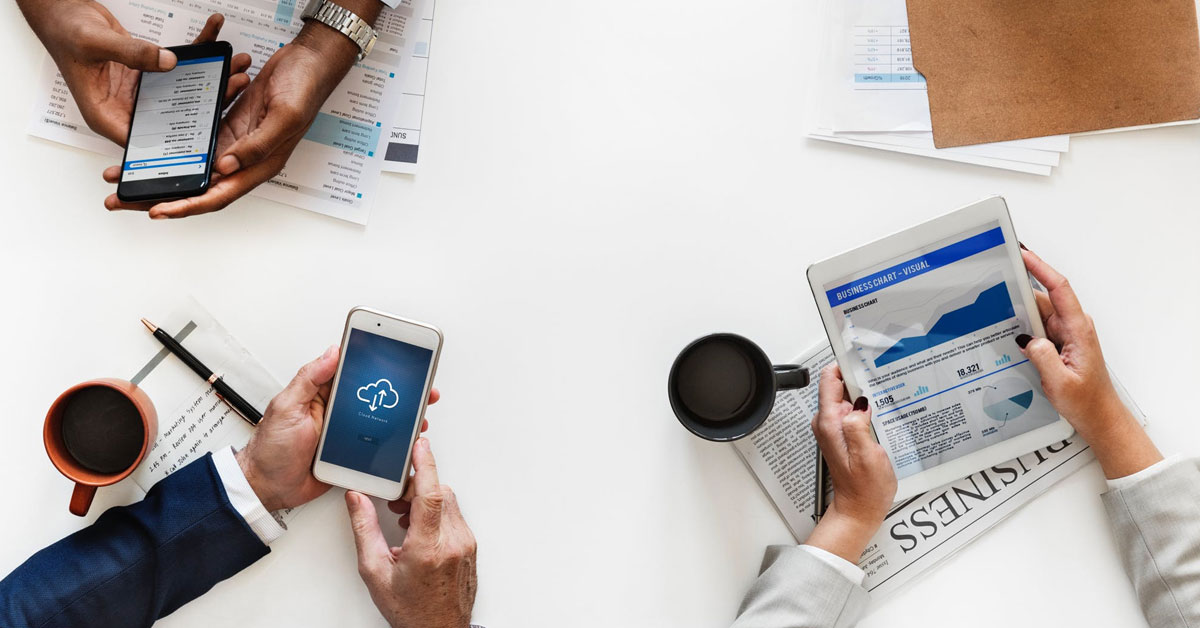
790,376
81,499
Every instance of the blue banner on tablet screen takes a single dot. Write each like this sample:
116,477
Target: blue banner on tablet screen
932,340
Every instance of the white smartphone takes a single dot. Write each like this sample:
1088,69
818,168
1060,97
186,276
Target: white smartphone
380,391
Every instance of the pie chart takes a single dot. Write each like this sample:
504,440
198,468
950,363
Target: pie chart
1008,399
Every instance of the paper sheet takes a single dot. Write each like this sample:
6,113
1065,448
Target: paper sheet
192,420
405,138
335,169
827,135
880,89
919,532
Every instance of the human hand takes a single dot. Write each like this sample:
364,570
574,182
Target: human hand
1076,379
264,126
864,483
429,581
101,62
278,459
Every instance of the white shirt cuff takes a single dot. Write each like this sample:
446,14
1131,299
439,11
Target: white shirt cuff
1117,484
843,566
244,501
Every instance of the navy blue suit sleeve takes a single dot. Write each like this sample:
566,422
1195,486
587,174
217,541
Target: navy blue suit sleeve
136,563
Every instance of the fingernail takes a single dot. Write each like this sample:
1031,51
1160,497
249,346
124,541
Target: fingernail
157,216
330,351
1022,245
1023,340
166,59
424,443
860,404
229,164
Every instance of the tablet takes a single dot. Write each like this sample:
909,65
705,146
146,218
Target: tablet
924,324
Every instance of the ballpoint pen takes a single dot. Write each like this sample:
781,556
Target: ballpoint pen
821,501
227,394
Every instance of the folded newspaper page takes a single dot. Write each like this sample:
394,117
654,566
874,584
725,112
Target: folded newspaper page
922,530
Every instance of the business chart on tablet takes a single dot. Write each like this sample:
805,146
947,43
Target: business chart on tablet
931,340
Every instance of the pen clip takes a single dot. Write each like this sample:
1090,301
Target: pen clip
212,379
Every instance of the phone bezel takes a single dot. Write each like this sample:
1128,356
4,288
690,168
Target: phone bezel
188,185
398,328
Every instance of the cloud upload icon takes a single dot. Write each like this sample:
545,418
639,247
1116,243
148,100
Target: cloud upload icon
379,395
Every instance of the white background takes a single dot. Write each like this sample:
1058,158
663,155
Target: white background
600,184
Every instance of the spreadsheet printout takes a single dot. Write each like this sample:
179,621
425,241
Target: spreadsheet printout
403,144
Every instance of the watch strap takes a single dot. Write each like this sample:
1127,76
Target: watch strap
345,22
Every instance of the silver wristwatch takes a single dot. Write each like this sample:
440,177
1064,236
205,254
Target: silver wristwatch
343,21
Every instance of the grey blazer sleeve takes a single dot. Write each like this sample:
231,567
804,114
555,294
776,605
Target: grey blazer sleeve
1157,525
798,590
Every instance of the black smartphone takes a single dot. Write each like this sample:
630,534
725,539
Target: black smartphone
173,133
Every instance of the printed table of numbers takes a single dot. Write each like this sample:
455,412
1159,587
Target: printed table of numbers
883,59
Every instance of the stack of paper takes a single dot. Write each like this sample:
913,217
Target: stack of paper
867,93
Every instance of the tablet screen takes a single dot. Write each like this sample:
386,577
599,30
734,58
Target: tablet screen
931,338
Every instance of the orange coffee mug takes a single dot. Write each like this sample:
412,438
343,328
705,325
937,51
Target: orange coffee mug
97,433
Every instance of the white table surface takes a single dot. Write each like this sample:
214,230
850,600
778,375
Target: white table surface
600,184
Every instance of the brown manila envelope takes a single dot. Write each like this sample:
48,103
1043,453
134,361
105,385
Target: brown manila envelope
1010,69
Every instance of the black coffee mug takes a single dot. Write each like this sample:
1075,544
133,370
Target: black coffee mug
722,386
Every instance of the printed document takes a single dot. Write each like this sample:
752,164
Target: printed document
886,93
335,169
405,139
920,531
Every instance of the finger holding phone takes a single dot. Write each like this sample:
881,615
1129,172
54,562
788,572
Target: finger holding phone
277,461
430,580
266,124
101,62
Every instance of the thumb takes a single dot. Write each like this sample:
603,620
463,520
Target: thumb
856,430
272,132
372,548
135,53
428,498
308,380
1045,358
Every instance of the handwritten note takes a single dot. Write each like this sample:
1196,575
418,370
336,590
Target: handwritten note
192,419
194,431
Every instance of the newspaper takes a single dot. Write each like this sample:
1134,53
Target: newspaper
920,531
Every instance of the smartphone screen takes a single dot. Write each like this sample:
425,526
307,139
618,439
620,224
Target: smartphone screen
174,122
376,405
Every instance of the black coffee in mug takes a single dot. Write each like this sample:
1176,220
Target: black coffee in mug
722,386
102,430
